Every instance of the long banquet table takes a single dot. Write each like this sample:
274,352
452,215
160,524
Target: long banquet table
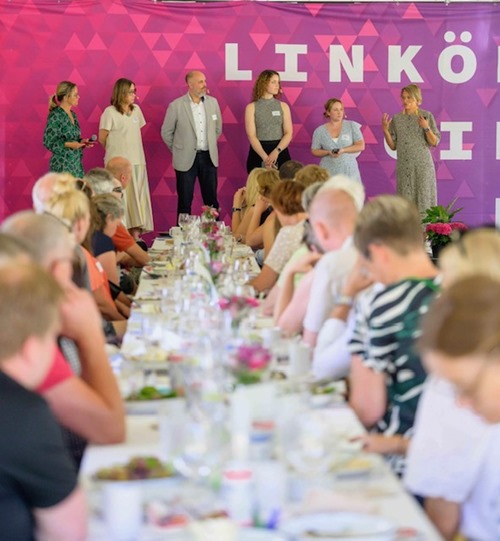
379,492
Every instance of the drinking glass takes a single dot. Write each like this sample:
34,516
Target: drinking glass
309,444
184,219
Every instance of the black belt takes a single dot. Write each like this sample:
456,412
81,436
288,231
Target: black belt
201,151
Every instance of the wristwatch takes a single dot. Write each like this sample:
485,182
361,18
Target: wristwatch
279,149
344,300
426,130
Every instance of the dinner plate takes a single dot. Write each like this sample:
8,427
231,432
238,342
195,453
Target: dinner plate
254,534
339,527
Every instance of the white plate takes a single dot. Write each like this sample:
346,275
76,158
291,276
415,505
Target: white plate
253,534
341,526
144,407
245,534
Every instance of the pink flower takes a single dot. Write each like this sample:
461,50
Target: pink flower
439,228
459,226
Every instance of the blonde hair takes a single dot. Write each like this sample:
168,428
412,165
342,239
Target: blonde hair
35,295
64,88
390,220
69,206
310,174
267,179
476,252
414,92
464,321
252,186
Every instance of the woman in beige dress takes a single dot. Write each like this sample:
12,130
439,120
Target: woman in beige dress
120,134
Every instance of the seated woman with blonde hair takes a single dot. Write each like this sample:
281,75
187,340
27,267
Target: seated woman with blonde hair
243,203
73,208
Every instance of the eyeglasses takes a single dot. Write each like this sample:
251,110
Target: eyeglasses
132,92
118,189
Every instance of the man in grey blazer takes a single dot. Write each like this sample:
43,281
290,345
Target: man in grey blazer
191,127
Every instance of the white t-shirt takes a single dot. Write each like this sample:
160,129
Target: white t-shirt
329,275
124,138
454,455
332,356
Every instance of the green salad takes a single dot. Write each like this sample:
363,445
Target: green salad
150,392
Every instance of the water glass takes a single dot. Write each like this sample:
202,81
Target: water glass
122,510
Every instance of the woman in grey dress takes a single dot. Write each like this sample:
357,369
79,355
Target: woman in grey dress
412,133
268,124
338,142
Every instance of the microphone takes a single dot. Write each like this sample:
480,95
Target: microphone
91,140
202,98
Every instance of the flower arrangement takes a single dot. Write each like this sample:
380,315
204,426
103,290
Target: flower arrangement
214,245
439,226
209,216
237,307
250,363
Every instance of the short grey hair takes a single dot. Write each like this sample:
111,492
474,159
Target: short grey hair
351,187
47,236
100,179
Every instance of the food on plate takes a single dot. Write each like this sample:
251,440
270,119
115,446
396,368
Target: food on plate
149,392
145,467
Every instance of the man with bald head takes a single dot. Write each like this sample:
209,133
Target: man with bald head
191,127
332,214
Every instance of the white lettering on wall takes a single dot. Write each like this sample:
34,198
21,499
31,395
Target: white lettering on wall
233,73
456,150
291,53
403,62
353,67
469,61
498,141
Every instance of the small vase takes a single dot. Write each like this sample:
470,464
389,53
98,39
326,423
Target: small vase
436,250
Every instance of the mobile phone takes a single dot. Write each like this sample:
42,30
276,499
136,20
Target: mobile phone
335,150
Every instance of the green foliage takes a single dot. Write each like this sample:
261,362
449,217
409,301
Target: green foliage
439,214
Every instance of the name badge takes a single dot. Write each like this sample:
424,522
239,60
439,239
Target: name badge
276,113
214,117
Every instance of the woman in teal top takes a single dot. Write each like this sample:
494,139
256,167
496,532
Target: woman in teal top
62,133
338,142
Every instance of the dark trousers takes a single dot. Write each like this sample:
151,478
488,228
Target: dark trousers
254,160
205,170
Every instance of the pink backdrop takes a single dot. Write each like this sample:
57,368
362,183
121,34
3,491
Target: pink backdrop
451,51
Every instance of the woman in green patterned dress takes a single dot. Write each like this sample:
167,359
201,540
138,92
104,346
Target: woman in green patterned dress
62,133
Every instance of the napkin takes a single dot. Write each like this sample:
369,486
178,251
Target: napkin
319,500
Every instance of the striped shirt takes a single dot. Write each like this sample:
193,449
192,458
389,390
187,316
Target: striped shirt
384,338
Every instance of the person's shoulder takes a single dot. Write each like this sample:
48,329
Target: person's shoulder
122,239
57,111
284,105
353,123
17,396
110,110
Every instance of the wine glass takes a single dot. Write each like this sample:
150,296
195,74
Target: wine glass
184,219
309,444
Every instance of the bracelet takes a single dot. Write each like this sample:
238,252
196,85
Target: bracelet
279,149
236,209
344,300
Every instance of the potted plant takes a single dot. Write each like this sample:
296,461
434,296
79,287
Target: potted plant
439,225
